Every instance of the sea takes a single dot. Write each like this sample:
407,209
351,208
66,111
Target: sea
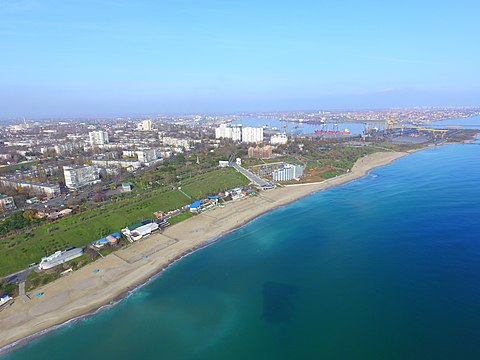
384,267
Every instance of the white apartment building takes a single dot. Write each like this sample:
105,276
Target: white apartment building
288,172
171,141
78,176
280,139
145,125
252,135
37,188
227,132
98,138
148,156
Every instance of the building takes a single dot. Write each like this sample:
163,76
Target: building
258,152
148,156
280,139
78,176
98,138
171,141
37,188
288,172
223,163
252,135
130,165
126,187
236,133
223,132
6,203
226,132
145,125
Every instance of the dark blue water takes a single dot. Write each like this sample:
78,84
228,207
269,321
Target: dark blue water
386,267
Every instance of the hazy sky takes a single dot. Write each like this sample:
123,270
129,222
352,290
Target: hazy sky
107,57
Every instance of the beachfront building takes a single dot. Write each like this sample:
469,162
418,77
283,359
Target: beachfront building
288,172
98,138
252,135
258,152
79,176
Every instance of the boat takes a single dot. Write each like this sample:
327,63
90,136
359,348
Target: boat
60,257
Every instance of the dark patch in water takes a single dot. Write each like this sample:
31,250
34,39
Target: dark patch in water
277,301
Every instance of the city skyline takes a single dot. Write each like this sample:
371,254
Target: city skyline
111,57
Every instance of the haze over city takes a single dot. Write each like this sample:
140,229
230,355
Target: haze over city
103,58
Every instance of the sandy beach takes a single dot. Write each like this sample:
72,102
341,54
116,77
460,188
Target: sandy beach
84,291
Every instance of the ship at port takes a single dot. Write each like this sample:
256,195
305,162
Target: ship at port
60,257
333,131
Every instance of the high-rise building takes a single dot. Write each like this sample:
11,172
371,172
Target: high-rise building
237,133
223,132
146,125
288,172
78,176
252,135
226,132
98,138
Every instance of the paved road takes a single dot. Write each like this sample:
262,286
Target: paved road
20,276
251,176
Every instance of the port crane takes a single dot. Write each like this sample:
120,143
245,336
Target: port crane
392,125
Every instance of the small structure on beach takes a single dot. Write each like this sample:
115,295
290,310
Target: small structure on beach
195,207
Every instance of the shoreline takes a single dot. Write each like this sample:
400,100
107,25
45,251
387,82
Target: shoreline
84,293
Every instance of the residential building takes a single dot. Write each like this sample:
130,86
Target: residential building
79,176
37,188
148,156
146,125
252,135
226,132
130,165
287,173
98,138
6,203
258,152
171,141
280,139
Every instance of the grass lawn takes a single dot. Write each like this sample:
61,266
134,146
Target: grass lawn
180,217
213,182
18,251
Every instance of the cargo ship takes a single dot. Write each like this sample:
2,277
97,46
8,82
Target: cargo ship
60,257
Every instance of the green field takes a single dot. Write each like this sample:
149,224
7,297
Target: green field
180,217
213,182
16,252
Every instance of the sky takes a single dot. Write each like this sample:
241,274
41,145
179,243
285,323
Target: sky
117,57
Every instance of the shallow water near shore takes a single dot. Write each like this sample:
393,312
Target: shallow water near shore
386,267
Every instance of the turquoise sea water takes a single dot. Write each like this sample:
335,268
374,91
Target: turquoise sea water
386,267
